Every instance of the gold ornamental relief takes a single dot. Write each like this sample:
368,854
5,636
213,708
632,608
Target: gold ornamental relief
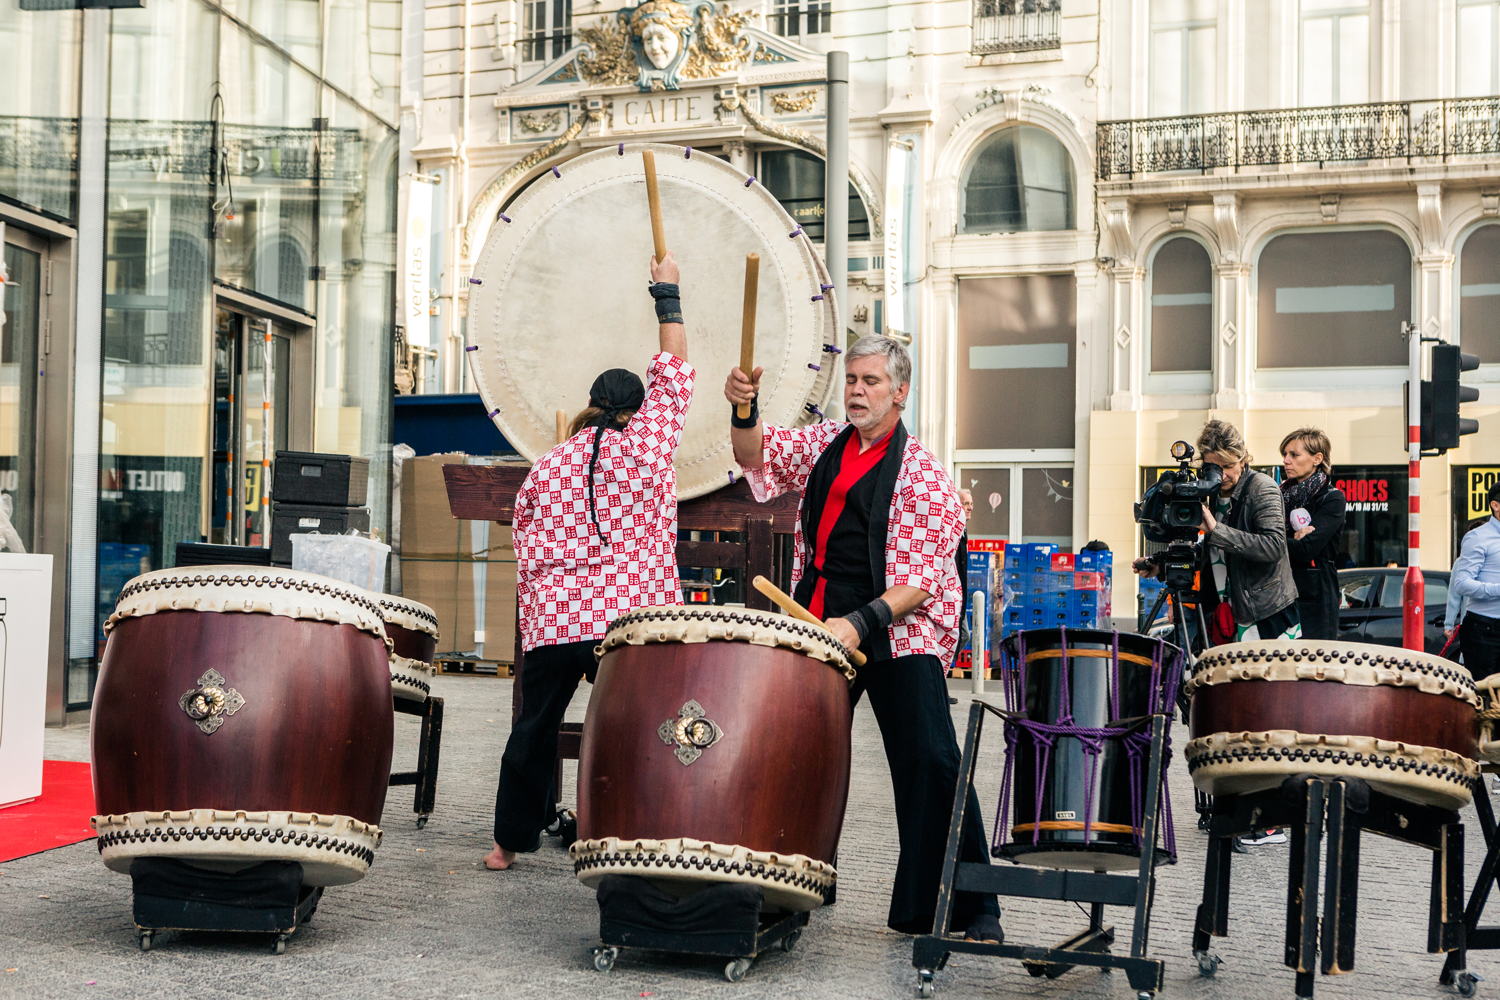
612,62
659,43
720,45
539,123
791,104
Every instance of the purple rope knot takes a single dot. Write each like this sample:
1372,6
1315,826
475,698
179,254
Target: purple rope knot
472,347
813,408
817,298
687,152
826,288
493,412
749,181
476,281
622,149
557,173
731,477
504,217
832,349
816,368
794,233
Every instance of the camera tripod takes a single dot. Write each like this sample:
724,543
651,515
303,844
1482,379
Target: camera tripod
1183,638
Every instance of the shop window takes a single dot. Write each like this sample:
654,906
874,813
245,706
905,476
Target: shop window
1021,180
1333,300
1181,307
1479,294
1016,362
547,31
802,17
1183,38
795,179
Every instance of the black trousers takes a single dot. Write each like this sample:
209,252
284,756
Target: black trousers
910,699
1479,638
525,802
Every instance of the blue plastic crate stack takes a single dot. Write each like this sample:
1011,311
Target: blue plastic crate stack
1044,588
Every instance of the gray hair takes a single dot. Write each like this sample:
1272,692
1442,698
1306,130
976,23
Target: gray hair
897,359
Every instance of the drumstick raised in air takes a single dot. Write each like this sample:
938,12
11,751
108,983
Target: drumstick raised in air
562,426
791,607
747,326
653,198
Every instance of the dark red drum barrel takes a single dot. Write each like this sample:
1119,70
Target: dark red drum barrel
1402,720
413,631
716,749
243,714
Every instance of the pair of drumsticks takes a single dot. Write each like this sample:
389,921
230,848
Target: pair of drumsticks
747,365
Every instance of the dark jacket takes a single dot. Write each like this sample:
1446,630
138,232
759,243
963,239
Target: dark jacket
1313,559
1252,537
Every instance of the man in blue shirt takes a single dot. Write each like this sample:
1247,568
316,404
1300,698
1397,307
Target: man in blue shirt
1476,577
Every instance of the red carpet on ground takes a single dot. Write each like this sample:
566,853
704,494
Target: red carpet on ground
58,818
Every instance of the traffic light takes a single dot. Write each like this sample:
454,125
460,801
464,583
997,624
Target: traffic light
1441,424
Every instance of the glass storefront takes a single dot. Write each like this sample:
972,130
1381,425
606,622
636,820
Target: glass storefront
248,260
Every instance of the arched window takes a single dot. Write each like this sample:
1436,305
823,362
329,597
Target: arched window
795,179
1021,180
1333,300
1182,307
1479,294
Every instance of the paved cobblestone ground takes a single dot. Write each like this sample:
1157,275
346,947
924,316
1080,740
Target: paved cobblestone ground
429,921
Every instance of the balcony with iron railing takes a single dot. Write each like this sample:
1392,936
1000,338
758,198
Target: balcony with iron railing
1016,26
1413,131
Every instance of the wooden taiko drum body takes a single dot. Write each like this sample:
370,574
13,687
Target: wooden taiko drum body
412,628
1402,720
243,714
716,749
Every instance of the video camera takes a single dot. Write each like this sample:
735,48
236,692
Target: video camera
1171,511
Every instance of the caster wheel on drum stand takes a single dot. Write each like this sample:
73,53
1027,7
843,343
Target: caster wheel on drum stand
278,946
1208,963
604,958
564,826
924,982
1144,995
422,821
790,941
1467,983
736,969
145,939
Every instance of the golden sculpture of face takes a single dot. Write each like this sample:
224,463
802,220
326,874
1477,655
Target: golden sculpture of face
660,44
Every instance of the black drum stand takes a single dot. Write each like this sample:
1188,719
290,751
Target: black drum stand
720,921
429,744
1316,808
266,898
1476,938
1090,946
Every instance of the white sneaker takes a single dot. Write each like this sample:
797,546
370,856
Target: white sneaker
1272,836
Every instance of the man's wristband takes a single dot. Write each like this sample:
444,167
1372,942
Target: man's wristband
668,302
735,420
869,617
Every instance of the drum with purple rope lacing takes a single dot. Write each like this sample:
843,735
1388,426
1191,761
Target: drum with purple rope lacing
1077,737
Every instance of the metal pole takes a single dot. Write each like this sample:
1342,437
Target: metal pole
836,181
978,644
1413,590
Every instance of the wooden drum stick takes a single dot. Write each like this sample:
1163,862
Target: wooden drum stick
747,326
791,607
653,198
562,426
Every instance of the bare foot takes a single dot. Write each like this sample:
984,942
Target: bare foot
499,859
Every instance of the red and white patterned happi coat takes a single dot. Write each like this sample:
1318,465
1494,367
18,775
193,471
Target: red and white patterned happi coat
926,520
572,585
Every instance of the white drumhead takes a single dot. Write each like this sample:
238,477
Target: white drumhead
559,294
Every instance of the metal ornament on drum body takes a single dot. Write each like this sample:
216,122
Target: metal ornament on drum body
1400,719
564,238
716,749
243,714
1077,746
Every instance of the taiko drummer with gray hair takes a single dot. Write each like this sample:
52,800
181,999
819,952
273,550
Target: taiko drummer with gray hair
880,523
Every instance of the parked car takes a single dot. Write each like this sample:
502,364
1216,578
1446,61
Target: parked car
1370,605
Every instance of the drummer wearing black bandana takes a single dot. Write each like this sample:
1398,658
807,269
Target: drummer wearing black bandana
880,522
595,533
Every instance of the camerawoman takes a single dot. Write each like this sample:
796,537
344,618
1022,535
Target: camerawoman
1243,576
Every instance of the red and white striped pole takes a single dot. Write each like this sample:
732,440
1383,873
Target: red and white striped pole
1413,590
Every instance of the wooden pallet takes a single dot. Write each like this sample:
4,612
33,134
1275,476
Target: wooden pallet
472,666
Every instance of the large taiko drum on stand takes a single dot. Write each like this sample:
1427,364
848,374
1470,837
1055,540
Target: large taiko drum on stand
243,714
716,749
412,628
1078,733
579,240
1400,719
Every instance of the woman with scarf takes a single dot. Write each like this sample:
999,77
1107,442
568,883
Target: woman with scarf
595,534
1315,520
